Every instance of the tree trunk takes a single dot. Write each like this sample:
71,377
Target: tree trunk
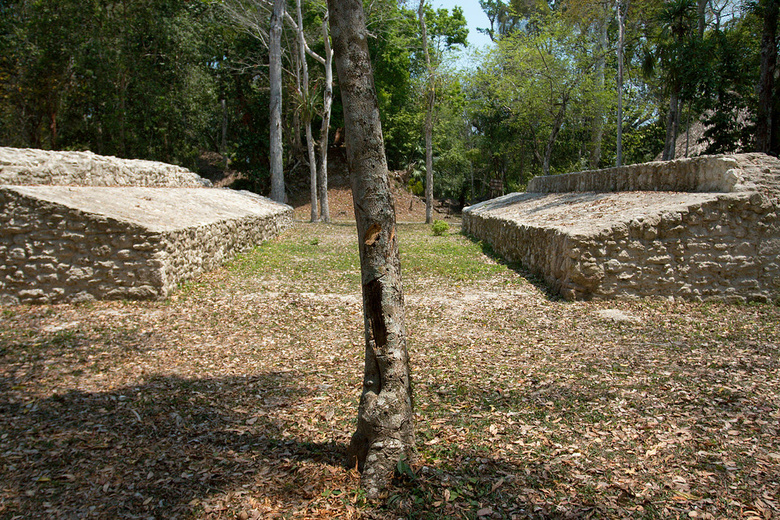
307,113
223,142
621,16
314,214
428,118
385,430
676,126
671,130
53,127
322,174
275,105
688,131
765,86
597,132
557,124
701,18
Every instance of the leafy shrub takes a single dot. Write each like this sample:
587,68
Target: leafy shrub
417,188
439,227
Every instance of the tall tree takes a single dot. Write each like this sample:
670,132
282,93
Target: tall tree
602,43
275,78
306,105
446,30
385,430
318,174
327,104
537,78
620,9
592,19
765,125
677,19
430,101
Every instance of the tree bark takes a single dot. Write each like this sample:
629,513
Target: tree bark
670,142
275,105
430,102
385,430
701,17
557,124
597,132
223,141
765,86
621,16
307,112
314,214
322,174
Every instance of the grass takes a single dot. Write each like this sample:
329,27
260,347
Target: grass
236,397
451,258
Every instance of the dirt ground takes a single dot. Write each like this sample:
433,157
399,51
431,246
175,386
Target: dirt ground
409,208
237,396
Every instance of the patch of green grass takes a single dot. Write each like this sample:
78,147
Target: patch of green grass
328,263
296,254
452,257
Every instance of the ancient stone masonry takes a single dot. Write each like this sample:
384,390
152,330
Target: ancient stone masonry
82,242
700,229
23,166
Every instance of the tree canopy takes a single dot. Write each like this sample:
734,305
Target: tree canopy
173,80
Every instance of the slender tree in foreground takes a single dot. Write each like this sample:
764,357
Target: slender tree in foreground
385,430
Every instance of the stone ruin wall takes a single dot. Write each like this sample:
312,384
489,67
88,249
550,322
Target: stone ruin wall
51,252
26,166
720,243
54,254
711,173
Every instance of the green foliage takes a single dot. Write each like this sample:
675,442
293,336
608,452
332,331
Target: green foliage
394,64
729,81
452,164
533,102
130,79
147,80
417,187
439,227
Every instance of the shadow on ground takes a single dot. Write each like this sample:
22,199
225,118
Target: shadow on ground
158,449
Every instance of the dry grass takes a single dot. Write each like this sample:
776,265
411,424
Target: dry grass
236,397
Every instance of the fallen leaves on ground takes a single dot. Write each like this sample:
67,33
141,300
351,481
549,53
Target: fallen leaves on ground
236,397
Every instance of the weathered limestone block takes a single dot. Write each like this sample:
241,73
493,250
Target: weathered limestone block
24,166
131,242
704,228
75,226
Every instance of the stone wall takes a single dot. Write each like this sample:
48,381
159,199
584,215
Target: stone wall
80,243
56,253
606,243
24,166
699,174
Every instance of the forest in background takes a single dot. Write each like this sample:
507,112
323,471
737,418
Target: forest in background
172,80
